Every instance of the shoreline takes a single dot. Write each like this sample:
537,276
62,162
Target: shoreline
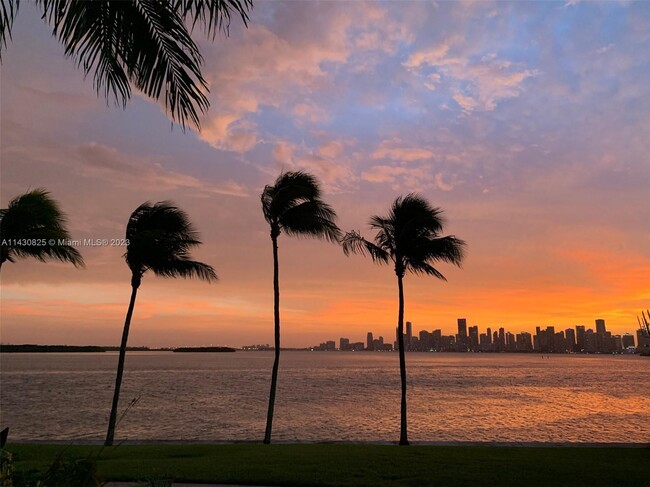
508,444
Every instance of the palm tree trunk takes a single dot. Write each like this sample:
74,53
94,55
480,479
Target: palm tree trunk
120,368
276,362
403,437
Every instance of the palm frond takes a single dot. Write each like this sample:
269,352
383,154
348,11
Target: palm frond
36,219
354,243
214,15
8,11
312,218
293,204
143,42
186,269
289,190
445,249
410,236
420,267
160,239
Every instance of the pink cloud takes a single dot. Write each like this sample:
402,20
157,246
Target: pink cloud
393,149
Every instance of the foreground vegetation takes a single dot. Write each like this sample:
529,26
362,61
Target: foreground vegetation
350,464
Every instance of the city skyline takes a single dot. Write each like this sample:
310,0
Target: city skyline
578,339
525,122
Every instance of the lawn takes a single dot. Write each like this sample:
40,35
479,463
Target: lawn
355,464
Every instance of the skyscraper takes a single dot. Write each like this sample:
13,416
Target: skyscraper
627,340
369,342
473,337
600,327
409,336
580,338
462,327
570,335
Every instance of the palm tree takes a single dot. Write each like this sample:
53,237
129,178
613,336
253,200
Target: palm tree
144,43
293,205
409,237
159,239
33,226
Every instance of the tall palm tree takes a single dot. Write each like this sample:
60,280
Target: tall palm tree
293,205
409,237
144,43
32,225
159,239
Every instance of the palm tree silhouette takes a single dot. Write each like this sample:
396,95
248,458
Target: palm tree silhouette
32,225
144,43
293,205
159,239
409,237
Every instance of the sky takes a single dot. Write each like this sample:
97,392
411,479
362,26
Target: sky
528,123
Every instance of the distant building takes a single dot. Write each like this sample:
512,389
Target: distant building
570,339
642,341
369,342
473,338
461,337
600,327
524,342
591,345
580,338
627,340
462,327
344,344
409,336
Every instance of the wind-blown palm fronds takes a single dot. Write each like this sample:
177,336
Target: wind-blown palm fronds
292,205
160,238
33,225
144,43
409,237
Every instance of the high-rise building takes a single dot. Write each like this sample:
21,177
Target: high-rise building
591,344
600,327
344,344
461,337
473,337
570,337
409,336
489,336
627,340
462,327
524,342
580,338
369,342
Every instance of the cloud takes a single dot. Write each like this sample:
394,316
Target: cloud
441,184
272,64
604,49
325,163
331,149
474,84
107,163
311,112
394,150
229,132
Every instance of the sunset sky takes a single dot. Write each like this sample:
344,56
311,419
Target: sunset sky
528,123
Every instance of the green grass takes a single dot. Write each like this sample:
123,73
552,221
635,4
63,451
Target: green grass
356,465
